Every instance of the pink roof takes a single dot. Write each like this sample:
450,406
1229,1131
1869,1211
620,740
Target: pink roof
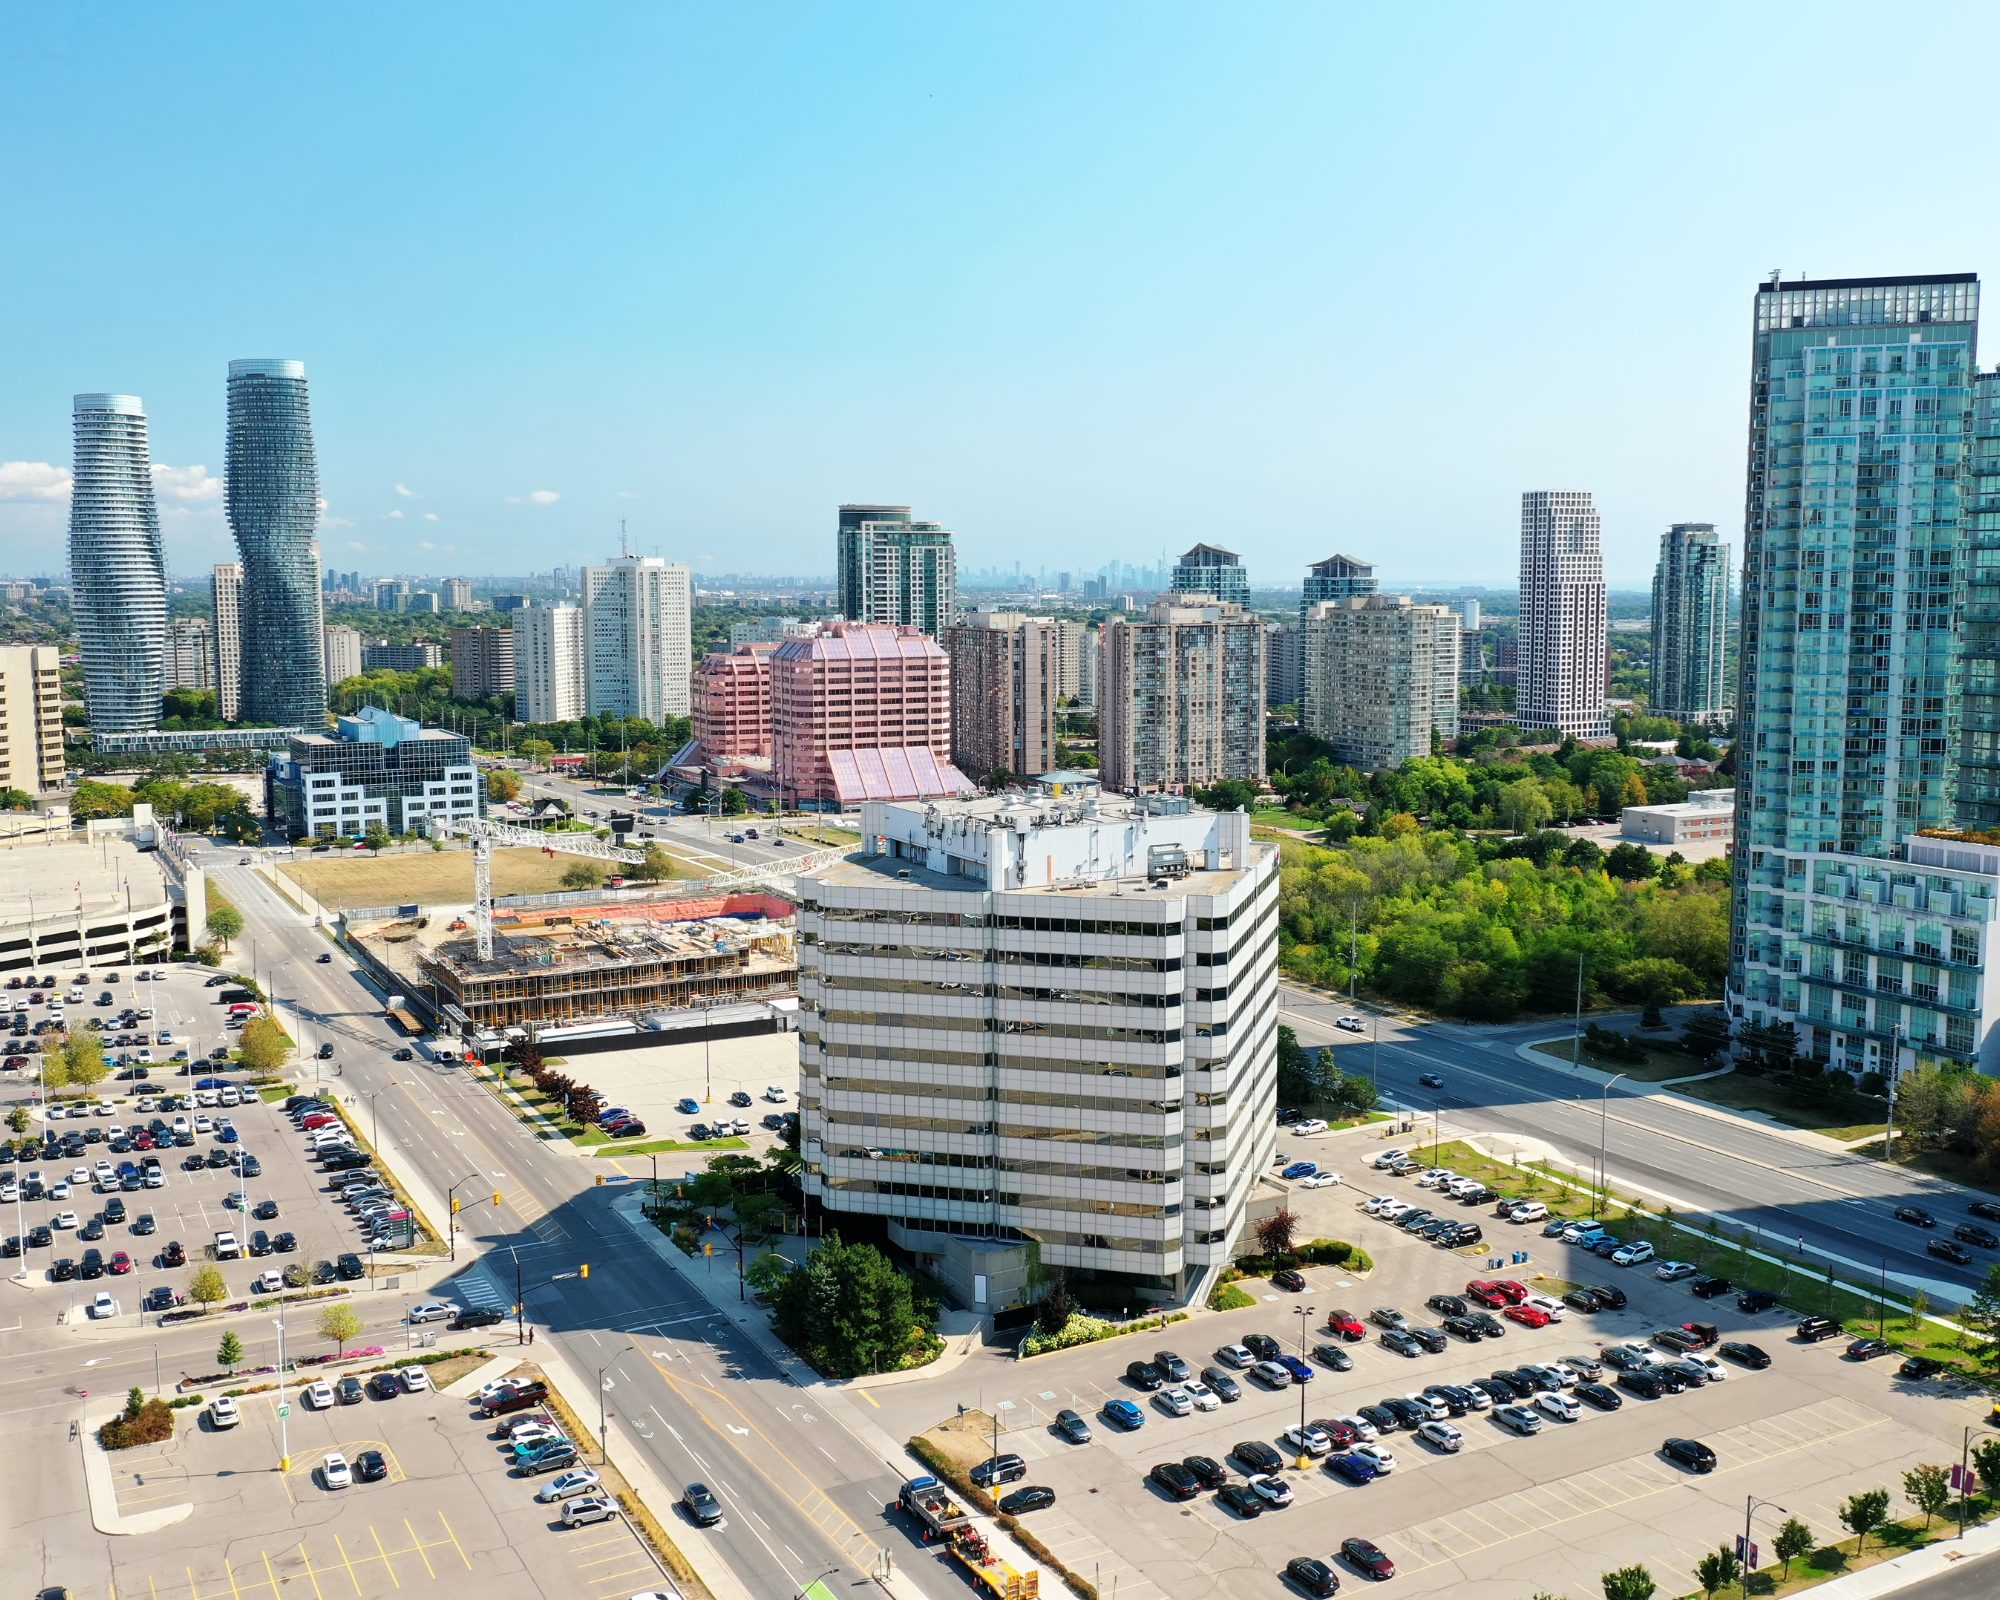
911,773
855,641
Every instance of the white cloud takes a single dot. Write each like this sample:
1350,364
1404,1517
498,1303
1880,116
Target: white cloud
705,556
535,497
430,516
425,544
393,516
356,544
626,494
33,480
406,491
194,485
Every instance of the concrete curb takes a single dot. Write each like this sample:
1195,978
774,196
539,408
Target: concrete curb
1911,1569
104,1514
486,1372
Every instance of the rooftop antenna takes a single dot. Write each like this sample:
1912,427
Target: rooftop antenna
624,544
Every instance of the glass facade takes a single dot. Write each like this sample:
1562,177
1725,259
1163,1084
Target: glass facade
892,569
1691,624
1210,570
118,568
273,497
1979,734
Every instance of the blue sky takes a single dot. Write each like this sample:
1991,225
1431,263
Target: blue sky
1083,282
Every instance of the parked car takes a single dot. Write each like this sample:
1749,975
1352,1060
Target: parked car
1690,1453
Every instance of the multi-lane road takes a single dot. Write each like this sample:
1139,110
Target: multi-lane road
1794,1190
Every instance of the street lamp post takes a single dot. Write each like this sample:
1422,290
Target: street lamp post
603,1422
1305,1316
1603,1122
1965,1469
1752,1503
284,1411
451,1210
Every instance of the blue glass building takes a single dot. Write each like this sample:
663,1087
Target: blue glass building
273,490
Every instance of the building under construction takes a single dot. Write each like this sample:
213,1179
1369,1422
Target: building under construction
579,964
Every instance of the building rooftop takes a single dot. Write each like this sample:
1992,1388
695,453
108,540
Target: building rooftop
856,641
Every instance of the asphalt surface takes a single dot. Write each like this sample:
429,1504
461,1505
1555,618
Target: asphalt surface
1974,1580
1839,1203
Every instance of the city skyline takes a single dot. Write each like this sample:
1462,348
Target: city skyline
1143,321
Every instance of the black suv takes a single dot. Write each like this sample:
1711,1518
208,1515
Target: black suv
1709,1288
1262,1346
1813,1329
1257,1455
999,1469
1145,1375
476,1317
349,1267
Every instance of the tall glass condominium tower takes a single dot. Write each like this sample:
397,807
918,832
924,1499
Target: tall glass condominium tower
1691,624
118,567
1851,920
273,487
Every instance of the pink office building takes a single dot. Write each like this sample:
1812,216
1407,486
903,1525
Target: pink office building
732,701
862,712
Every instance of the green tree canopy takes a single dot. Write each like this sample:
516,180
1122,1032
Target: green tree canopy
849,1311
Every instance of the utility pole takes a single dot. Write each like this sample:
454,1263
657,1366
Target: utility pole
1352,945
1576,1031
1895,1074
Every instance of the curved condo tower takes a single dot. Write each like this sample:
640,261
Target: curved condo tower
118,568
273,509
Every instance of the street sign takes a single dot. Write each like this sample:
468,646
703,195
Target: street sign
284,1411
1747,1554
1961,1479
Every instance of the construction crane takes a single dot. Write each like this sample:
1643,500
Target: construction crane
485,834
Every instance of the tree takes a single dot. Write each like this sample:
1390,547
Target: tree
766,1275
339,1323
849,1311
1986,1461
229,1354
657,865
1981,1315
735,802
264,1046
93,801
17,1119
1275,1233
206,1287
758,1216
1861,1514
84,1066
1524,806
225,922
1717,1569
583,875
1628,1583
1928,1488
1632,863
1706,1034
537,751
377,837
1056,1306
503,786
1793,1540
1232,794
16,800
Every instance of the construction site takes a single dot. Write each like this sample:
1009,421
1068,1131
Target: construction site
568,964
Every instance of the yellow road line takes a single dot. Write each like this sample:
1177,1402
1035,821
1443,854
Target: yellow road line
152,1586
421,1556
617,1579
877,1404
351,1577
317,1591
231,1571
398,1582
193,1587
454,1542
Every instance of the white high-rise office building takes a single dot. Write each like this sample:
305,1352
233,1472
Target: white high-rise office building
550,681
228,586
638,621
1043,1019
1563,653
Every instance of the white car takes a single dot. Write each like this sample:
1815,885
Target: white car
1272,1491
1442,1435
1364,1430
1674,1271
1434,1409
433,1311
1350,1022
775,1095
1374,1204
202,1124
1388,1158
104,1172
1173,1402
1633,1347
320,1396
334,1472
1204,1398
1630,1255
1548,1305
414,1378
1380,1457
181,1125
567,1485
1554,1403
79,1178
534,1433
59,1190
1528,1211
1393,1210
1237,1356
1715,1369
1321,1180
63,1219
267,1282
103,1306
497,1388
1310,1126
1431,1177
222,1412
1312,1441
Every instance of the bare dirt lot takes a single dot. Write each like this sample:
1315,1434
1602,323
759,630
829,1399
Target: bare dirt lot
422,877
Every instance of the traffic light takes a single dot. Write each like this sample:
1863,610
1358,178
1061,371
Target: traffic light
496,1197
584,1271
454,1205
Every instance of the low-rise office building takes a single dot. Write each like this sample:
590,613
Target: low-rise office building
375,767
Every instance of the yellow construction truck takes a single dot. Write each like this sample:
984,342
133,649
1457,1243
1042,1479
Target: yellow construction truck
942,1520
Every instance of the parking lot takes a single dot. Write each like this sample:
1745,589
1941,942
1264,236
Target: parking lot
446,1514
243,1169
1509,1513
652,1083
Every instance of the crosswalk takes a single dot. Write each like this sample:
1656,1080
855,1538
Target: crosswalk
476,1287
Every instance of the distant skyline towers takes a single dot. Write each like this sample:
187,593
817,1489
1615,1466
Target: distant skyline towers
273,502
1209,569
638,642
1691,625
891,568
1562,660
118,565
227,581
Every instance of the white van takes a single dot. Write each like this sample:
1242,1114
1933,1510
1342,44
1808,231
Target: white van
226,1247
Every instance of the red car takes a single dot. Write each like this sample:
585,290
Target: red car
121,1263
1346,1324
1515,1292
1342,1434
142,1140
1368,1557
319,1119
1533,1316
1487,1294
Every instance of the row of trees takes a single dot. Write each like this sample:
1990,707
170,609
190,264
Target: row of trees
580,1102
195,807
1310,1078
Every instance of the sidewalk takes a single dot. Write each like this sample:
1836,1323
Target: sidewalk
1911,1569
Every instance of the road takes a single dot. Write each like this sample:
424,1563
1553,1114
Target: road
1840,1204
804,1494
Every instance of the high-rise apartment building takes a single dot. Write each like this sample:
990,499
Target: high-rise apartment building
31,723
1468,616
273,500
1215,572
1180,701
1979,633
767,630
482,662
342,650
1006,674
1076,661
457,594
390,593
1691,625
1852,920
416,656
1013,1041
226,584
862,711
550,680
892,569
1563,658
118,565
638,619
732,701
190,654
1337,578
1382,677
1284,664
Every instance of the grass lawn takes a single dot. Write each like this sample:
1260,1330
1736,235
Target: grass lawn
1838,1559
1660,1063
432,878
831,838
1743,1093
598,1145
1272,818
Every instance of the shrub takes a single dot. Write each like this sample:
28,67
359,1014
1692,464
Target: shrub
1227,1297
153,1423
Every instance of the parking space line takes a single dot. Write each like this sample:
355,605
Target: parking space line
319,1593
345,1562
419,1544
229,1571
384,1549
453,1537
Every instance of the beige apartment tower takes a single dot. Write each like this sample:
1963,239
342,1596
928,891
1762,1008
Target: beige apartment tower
229,640
1380,678
482,662
1180,701
31,724
341,648
1006,680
